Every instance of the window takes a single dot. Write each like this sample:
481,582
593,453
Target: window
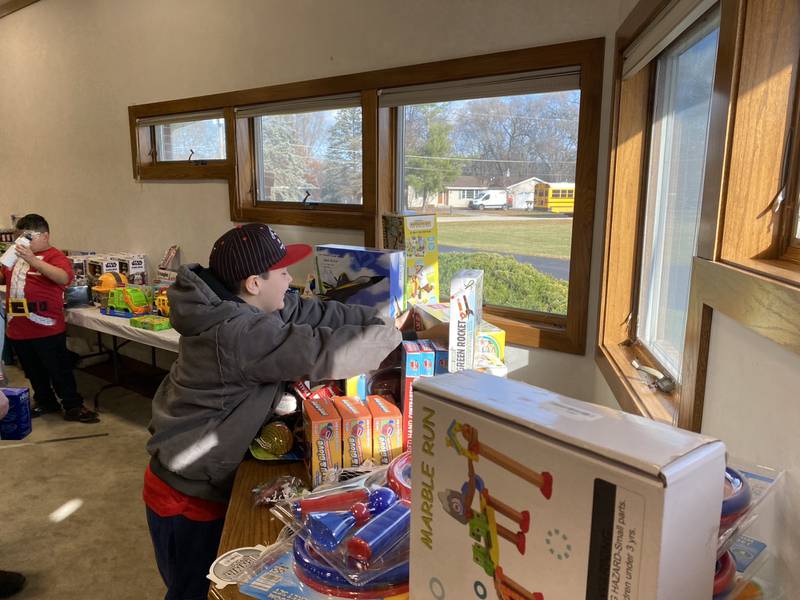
190,145
202,139
312,156
504,141
333,153
684,85
668,143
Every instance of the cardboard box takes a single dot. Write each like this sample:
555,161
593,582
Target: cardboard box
133,267
356,430
151,323
466,308
571,500
16,425
98,264
387,430
323,431
441,358
358,275
491,339
418,236
418,361
489,363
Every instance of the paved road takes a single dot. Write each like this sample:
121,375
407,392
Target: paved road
495,216
557,267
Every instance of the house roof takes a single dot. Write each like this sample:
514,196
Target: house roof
467,182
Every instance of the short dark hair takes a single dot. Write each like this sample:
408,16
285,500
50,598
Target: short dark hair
237,286
33,222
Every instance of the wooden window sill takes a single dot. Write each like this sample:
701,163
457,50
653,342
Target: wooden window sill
550,333
633,394
787,271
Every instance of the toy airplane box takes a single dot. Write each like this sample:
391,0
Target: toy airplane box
358,275
387,430
491,339
417,361
522,493
323,431
466,309
356,430
417,235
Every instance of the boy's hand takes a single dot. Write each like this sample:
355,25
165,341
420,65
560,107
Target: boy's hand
26,254
404,322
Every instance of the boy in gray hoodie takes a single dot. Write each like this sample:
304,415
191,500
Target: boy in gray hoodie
243,338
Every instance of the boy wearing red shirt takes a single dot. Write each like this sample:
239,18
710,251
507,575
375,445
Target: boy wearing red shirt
35,312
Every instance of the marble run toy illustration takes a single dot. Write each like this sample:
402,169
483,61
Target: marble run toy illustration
482,523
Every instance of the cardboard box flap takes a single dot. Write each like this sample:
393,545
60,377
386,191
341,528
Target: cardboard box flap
648,446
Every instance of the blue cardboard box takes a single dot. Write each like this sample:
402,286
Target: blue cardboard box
17,423
359,275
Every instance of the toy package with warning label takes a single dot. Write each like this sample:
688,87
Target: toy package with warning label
520,492
466,309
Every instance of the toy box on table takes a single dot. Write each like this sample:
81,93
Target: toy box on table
518,490
17,423
358,275
491,339
418,361
356,430
132,266
98,264
151,323
387,430
466,309
417,236
323,431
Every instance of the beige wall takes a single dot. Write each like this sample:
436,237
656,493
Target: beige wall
70,68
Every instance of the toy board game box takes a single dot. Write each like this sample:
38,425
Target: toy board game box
151,323
491,339
466,309
387,430
416,235
358,275
523,493
323,430
356,430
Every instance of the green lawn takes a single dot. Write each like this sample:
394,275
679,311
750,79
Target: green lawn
534,238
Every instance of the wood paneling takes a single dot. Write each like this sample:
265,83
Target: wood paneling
626,197
720,127
369,137
770,50
768,307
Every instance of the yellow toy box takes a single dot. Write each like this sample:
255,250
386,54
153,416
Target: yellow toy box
387,430
356,430
523,493
418,236
323,431
491,339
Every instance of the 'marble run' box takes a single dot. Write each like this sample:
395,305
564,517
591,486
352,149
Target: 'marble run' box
522,493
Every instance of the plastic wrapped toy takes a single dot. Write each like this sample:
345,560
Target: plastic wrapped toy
353,534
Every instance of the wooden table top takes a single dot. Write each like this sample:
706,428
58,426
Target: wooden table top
247,524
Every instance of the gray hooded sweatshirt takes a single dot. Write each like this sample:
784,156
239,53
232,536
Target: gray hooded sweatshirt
233,363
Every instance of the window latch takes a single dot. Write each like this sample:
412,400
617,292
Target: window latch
654,378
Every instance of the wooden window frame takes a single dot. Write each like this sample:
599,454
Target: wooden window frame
147,167
379,130
755,234
617,346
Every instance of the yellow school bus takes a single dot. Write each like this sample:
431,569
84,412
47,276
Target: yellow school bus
554,197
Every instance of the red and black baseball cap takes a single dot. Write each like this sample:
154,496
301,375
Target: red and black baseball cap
252,249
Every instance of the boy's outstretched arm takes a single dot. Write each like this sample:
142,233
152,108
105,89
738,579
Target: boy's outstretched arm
315,312
273,351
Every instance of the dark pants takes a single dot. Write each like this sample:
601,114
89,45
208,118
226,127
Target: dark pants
185,550
48,366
